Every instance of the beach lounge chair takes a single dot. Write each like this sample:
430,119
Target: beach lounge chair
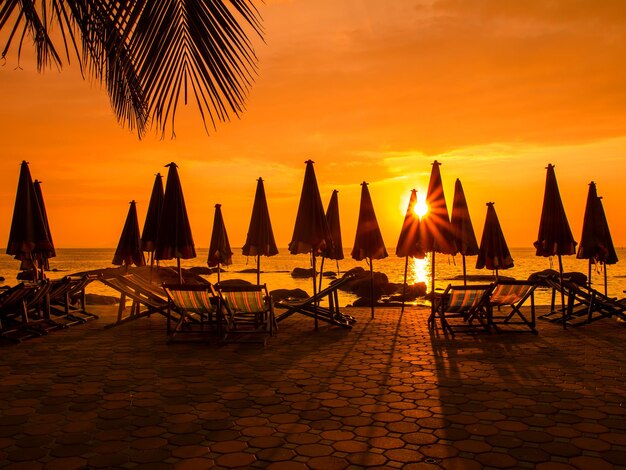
66,299
512,295
249,313
144,302
311,307
584,304
470,304
22,312
198,309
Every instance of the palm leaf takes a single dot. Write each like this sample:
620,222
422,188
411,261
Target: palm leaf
149,53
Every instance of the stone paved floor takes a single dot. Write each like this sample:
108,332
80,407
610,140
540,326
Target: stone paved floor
387,394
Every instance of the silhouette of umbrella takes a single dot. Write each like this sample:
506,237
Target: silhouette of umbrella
128,250
555,236
260,238
335,250
462,227
219,248
153,215
596,244
435,230
408,242
493,253
311,233
368,243
174,239
28,237
44,255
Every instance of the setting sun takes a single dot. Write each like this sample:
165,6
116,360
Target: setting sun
421,208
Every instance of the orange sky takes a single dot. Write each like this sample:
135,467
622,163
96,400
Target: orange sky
369,90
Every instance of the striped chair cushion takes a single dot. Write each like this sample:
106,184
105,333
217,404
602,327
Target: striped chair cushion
508,294
192,301
248,302
462,300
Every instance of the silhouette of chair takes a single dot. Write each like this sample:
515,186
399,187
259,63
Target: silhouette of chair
513,295
66,299
249,313
466,303
311,307
584,304
145,302
22,312
196,305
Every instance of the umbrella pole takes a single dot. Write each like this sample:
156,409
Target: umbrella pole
589,274
180,271
606,292
258,270
562,293
314,286
432,284
319,289
218,272
338,268
372,285
464,271
406,267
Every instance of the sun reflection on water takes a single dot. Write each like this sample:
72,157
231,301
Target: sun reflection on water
419,271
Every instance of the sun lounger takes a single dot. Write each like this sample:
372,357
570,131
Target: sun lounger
144,302
512,295
249,313
22,312
584,304
197,309
311,307
66,299
469,304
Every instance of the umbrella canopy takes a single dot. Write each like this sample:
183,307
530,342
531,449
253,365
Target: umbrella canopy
45,255
260,238
555,236
219,248
128,250
368,243
435,229
493,253
28,237
153,215
335,250
174,239
408,242
311,233
596,243
462,228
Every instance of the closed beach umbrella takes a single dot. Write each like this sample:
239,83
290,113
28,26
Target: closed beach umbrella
311,233
596,243
128,250
435,230
153,215
335,249
28,237
260,238
408,241
44,255
493,253
219,248
462,227
368,243
555,236
174,239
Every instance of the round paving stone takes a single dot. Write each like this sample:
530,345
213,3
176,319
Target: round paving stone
585,462
327,463
226,447
67,463
195,464
275,454
496,459
314,450
366,459
236,459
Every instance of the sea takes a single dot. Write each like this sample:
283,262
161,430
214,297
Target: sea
276,270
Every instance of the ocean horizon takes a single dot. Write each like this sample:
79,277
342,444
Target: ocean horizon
276,270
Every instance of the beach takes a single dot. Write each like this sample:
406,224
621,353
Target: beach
386,394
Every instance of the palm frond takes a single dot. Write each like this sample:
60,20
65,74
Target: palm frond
149,54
